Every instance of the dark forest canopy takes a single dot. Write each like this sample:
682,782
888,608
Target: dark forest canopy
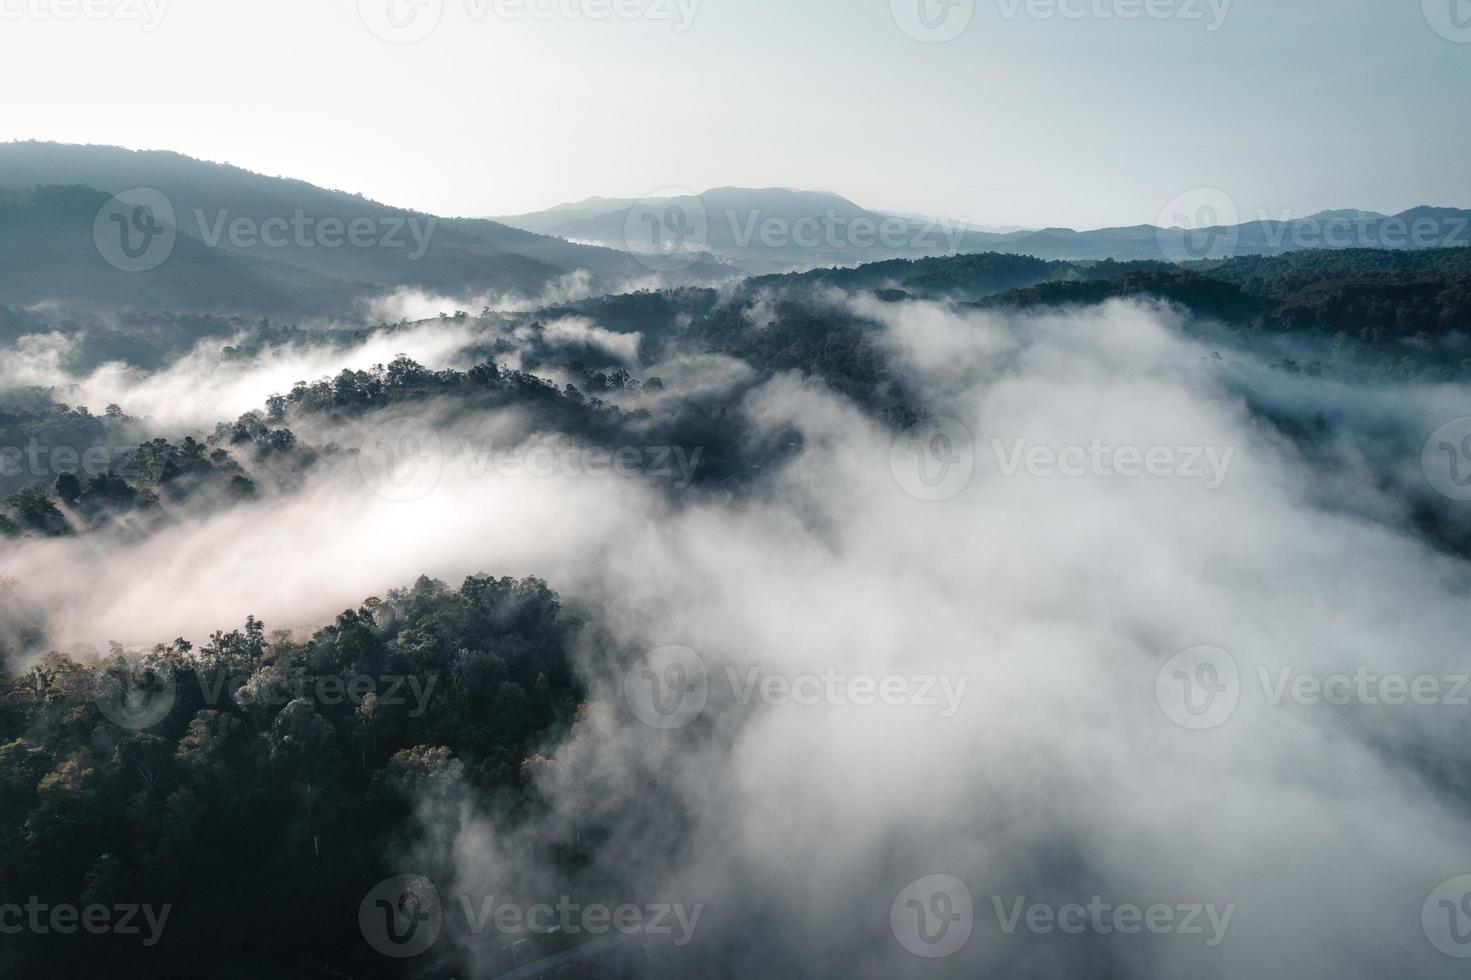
1370,315
293,793
268,772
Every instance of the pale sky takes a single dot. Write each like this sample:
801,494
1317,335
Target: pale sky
1028,116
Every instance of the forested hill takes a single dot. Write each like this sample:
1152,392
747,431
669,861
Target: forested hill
1309,289
1374,294
258,767
247,243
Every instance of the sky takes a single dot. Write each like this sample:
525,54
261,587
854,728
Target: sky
1080,113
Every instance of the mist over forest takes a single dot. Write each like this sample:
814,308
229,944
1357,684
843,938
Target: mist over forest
541,604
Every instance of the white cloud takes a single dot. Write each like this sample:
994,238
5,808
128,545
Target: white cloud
1060,778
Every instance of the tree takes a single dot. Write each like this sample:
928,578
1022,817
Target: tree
69,489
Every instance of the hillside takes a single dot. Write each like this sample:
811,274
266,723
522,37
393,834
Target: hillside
775,229
364,245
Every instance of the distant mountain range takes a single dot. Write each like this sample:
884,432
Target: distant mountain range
103,228
761,230
244,242
776,229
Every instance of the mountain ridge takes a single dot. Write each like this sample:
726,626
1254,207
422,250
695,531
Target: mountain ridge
339,236
604,220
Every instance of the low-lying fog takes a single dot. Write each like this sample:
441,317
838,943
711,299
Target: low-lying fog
1001,561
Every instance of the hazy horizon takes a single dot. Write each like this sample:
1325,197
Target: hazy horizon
1245,216
1029,115
721,581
